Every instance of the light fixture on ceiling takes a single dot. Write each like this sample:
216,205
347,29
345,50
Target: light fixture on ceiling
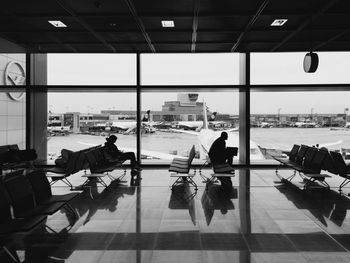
279,22
168,23
57,23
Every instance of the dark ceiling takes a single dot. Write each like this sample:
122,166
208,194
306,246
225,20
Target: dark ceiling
200,25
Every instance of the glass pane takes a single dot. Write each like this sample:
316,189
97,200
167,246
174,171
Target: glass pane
13,118
81,120
287,68
190,69
91,69
281,119
173,122
12,104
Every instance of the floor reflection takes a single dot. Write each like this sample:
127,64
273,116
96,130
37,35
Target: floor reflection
182,197
142,224
324,204
217,198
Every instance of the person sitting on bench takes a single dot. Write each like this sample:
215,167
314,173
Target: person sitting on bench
113,151
219,154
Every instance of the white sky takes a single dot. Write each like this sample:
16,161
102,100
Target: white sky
200,69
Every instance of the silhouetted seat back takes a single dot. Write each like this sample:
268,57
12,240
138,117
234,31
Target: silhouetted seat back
309,156
293,153
328,164
72,167
21,194
183,165
42,189
301,154
318,160
98,163
23,200
341,167
41,186
5,215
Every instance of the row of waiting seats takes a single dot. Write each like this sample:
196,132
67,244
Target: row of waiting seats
93,158
310,161
180,169
26,200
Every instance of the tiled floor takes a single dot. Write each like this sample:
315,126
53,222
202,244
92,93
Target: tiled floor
272,221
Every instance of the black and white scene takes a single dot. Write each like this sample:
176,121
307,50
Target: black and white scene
174,131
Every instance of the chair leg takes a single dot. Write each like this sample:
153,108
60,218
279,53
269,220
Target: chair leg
345,182
50,228
111,177
67,182
70,208
100,180
10,254
190,180
292,176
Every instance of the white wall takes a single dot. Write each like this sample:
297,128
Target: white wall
12,112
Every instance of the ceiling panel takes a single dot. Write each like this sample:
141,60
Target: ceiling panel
134,25
234,23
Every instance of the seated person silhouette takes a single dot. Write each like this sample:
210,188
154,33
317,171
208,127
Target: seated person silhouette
113,151
219,154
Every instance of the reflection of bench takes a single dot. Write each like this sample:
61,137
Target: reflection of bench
181,168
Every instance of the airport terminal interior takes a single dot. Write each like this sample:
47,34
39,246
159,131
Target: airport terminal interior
167,78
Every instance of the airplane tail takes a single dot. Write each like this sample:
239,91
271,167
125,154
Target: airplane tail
147,116
205,118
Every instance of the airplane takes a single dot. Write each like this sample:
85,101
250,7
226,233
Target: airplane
266,125
207,136
130,126
196,125
302,124
58,130
189,125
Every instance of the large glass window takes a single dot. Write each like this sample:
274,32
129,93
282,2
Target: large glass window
174,121
91,69
190,69
280,119
287,68
81,120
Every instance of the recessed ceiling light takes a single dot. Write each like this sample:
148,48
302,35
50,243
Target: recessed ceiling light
112,24
168,23
279,22
57,23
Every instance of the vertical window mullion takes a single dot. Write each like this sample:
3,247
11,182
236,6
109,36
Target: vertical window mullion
138,108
